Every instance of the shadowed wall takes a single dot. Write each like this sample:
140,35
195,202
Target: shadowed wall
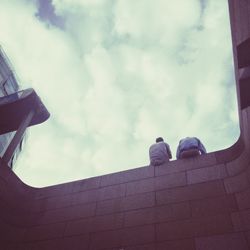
195,204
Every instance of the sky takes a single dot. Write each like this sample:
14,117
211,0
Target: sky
116,74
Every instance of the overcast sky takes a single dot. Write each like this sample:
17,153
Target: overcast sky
116,74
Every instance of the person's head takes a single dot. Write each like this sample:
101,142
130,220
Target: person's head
159,139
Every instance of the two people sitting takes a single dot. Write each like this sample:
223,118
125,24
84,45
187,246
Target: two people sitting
160,152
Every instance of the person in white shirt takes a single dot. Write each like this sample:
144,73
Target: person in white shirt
159,153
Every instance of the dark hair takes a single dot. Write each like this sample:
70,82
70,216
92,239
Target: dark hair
159,139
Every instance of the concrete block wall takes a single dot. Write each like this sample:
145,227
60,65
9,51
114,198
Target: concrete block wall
201,203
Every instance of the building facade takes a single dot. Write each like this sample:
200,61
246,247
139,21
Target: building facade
8,85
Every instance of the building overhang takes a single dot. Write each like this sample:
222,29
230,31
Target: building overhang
14,107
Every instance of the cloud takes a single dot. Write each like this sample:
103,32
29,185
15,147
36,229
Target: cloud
117,75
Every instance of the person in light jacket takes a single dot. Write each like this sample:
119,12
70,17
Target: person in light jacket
159,152
190,147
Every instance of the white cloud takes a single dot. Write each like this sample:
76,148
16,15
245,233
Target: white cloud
120,74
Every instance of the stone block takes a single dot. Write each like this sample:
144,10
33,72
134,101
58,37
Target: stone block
45,232
187,244
212,206
239,164
245,219
170,180
186,164
236,183
229,154
139,217
127,176
247,235
235,241
140,186
55,202
159,214
112,192
89,196
68,243
127,203
138,201
106,240
190,192
206,174
243,199
94,224
109,206
68,213
203,226
123,238
138,247
178,211
87,184
237,222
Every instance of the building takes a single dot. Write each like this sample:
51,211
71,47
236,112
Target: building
8,85
200,203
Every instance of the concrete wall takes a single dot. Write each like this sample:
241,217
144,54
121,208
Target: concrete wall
194,204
